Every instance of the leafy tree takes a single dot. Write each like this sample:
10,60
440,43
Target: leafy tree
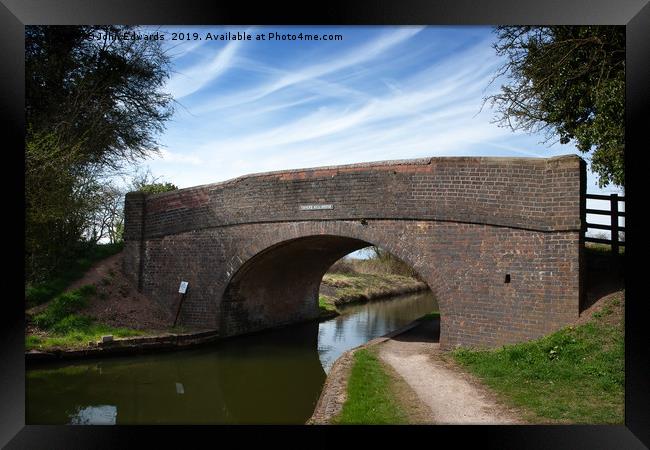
568,82
157,188
93,105
148,183
101,98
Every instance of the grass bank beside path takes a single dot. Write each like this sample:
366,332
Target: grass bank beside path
575,375
371,399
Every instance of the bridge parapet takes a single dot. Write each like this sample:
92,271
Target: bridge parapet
528,193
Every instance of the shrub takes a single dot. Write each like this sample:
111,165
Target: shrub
386,263
36,295
63,306
71,323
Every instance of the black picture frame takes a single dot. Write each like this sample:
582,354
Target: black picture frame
15,14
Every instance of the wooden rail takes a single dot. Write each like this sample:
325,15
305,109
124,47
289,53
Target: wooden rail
613,226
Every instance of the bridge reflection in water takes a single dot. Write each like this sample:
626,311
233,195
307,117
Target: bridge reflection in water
272,377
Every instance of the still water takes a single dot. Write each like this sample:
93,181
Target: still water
274,377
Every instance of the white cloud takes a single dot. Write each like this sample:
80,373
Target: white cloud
170,157
311,73
195,77
448,94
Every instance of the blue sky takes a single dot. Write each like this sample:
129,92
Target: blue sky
380,93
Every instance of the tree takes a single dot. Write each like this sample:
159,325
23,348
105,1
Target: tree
149,184
107,216
100,97
93,105
569,83
157,188
387,262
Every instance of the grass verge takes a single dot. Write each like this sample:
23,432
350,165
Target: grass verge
58,316
352,287
370,398
575,375
38,293
77,337
60,326
326,306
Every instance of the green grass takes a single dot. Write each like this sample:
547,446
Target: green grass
325,304
370,399
44,291
56,316
64,328
358,286
326,307
575,375
84,332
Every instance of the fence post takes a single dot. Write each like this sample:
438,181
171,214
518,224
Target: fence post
613,210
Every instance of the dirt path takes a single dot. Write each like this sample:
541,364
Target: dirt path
452,396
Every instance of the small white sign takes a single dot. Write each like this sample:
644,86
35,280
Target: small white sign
183,287
315,207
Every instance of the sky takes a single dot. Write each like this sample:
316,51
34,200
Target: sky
379,93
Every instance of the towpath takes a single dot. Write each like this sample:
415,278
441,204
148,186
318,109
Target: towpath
453,396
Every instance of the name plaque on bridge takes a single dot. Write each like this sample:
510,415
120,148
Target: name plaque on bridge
315,207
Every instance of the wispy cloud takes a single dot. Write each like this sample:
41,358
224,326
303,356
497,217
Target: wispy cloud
311,73
359,55
197,76
452,92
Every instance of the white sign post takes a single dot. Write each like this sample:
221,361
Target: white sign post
182,289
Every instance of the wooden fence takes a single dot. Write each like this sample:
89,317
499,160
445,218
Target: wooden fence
613,226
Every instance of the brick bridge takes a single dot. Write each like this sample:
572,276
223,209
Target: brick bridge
498,241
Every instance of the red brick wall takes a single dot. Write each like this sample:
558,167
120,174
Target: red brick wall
462,223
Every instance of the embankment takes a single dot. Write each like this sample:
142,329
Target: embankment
345,288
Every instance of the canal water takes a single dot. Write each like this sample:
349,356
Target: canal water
272,377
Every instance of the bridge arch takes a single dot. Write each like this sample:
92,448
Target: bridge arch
278,282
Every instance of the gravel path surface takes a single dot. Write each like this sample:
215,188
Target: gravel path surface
453,396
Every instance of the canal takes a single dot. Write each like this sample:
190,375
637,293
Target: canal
272,377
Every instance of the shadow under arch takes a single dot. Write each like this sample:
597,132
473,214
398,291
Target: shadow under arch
279,284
